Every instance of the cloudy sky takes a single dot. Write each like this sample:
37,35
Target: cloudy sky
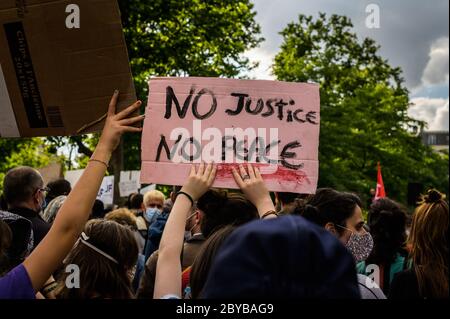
413,34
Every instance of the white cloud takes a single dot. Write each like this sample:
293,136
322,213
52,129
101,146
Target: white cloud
265,60
436,70
433,111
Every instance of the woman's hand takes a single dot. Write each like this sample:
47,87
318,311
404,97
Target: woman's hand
117,124
254,188
200,181
72,216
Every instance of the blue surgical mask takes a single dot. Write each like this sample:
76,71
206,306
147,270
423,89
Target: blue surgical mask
42,205
151,214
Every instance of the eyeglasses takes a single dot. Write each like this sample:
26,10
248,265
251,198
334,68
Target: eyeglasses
44,190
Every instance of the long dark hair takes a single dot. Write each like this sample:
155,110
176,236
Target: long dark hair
387,223
203,261
99,276
328,206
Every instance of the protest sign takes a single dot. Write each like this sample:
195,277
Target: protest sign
60,61
273,124
106,190
73,176
51,172
147,188
129,183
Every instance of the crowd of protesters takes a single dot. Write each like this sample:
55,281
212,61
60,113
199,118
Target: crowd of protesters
209,243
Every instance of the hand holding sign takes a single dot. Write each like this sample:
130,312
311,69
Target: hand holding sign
117,124
199,180
253,187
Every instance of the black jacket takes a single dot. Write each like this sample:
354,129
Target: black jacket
40,227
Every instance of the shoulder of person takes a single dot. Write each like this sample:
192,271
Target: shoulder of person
361,267
369,288
196,239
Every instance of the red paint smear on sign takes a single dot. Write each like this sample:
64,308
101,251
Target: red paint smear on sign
282,174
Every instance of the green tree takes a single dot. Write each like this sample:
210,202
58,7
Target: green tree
24,151
364,107
178,38
185,38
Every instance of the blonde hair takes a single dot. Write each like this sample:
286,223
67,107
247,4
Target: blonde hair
122,216
429,245
153,195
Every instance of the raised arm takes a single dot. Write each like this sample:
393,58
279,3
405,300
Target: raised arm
75,211
168,268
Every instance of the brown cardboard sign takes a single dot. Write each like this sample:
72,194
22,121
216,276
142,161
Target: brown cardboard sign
60,62
51,172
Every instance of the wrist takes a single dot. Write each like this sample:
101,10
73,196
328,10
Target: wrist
264,206
269,214
102,152
186,195
190,192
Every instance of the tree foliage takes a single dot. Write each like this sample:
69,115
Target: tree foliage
364,107
181,38
24,151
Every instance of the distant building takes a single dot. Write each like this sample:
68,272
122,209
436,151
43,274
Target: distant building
438,140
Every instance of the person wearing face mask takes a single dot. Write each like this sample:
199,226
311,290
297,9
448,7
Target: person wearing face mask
24,193
340,213
153,204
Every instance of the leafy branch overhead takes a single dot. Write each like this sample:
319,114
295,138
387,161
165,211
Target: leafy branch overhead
364,107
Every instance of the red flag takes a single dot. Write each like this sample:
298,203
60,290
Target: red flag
380,192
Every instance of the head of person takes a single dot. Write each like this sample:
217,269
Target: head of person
134,201
193,221
3,203
16,240
153,203
220,208
284,199
122,216
339,213
23,186
285,257
105,255
57,188
53,208
428,241
203,260
98,210
387,222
